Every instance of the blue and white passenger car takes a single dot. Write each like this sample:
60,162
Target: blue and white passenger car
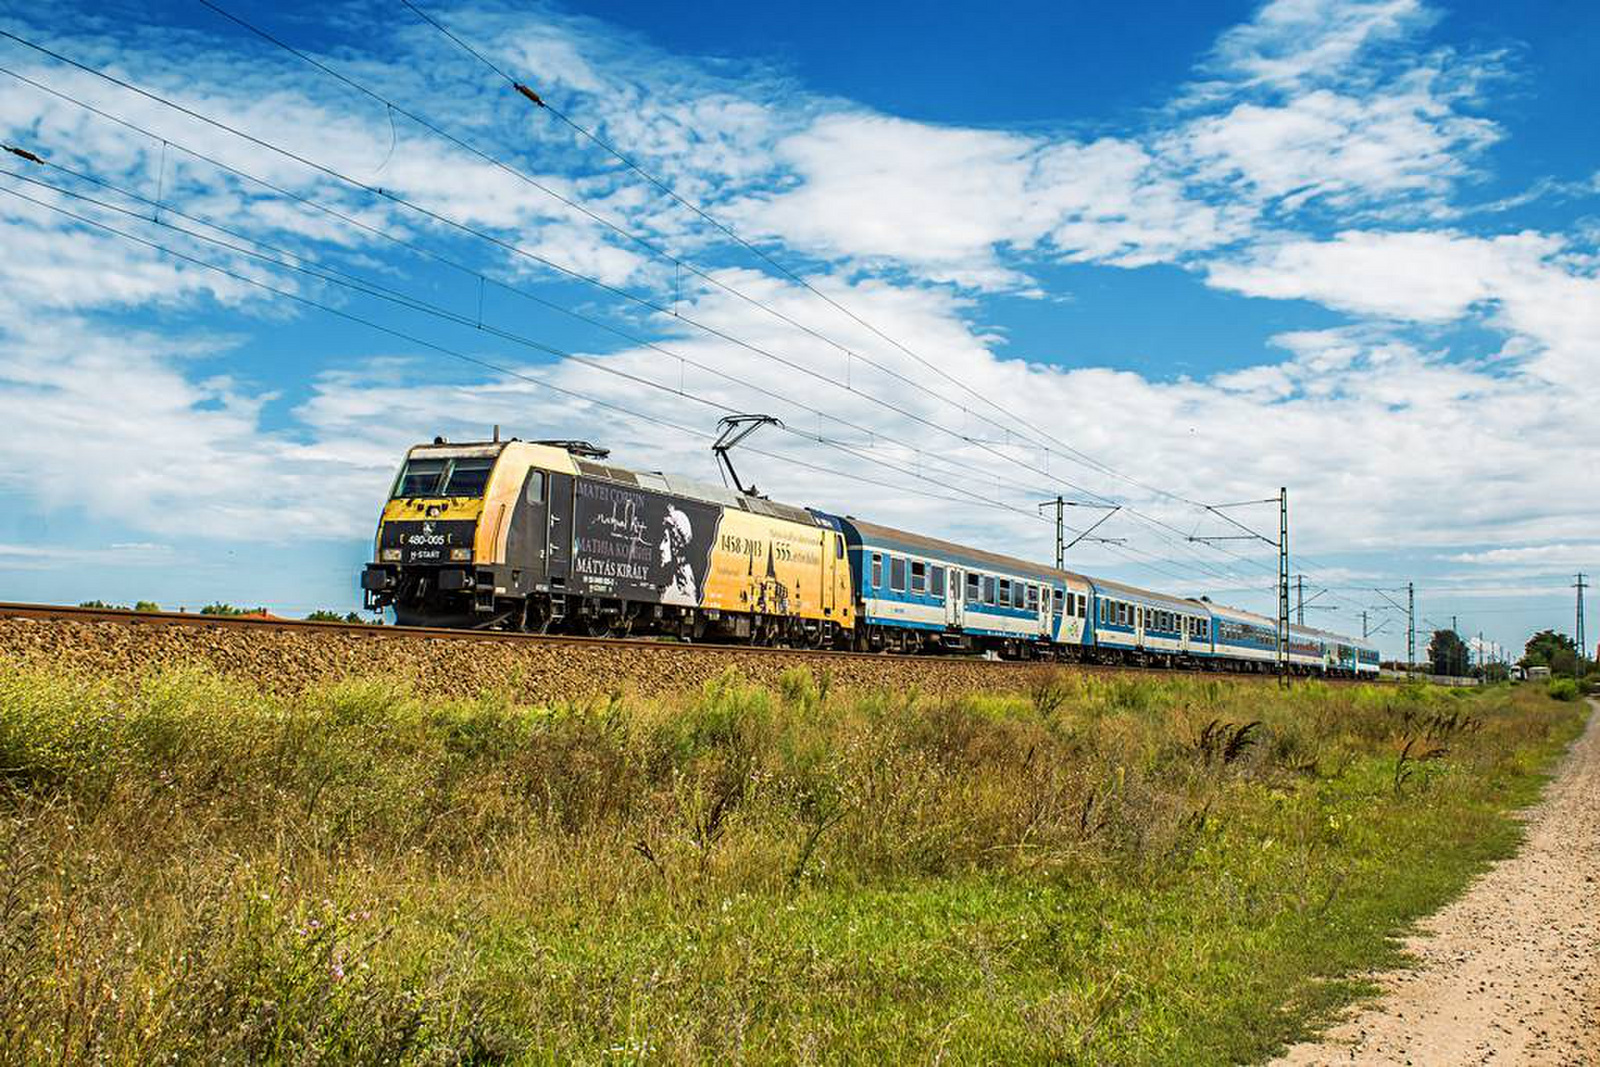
1244,637
1130,619
915,592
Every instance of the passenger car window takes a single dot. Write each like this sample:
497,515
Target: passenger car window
897,573
974,587
936,586
919,576
877,571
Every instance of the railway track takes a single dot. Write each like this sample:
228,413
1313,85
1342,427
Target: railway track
236,623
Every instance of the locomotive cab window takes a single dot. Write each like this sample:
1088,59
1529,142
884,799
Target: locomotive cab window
468,476
420,477
838,546
535,491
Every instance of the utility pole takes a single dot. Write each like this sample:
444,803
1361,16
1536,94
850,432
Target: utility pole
1583,651
1363,624
1300,599
1411,625
1062,544
1282,545
1283,585
1455,629
1061,531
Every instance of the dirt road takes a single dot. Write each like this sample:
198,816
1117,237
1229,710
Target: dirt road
1510,973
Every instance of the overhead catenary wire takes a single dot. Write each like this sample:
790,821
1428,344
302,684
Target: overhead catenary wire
370,288
543,102
409,338
1149,521
617,228
478,321
876,435
1146,520
519,251
442,349
679,261
436,216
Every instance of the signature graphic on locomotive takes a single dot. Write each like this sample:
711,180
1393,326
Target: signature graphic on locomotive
641,545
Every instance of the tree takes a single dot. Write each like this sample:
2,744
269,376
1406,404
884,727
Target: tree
1543,647
324,615
147,605
220,608
1447,653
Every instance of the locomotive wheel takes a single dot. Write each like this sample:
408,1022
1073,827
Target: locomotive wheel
597,625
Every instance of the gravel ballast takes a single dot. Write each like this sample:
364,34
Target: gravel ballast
286,660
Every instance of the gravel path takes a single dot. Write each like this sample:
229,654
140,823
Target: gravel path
1510,973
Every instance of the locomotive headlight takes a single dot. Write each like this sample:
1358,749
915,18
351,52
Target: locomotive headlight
389,555
460,555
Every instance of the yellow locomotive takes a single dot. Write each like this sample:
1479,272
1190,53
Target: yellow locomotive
546,537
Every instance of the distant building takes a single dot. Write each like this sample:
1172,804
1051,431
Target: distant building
1538,674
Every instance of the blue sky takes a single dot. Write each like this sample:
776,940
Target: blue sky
1187,254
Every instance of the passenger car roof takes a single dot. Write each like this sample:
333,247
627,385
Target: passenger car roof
889,537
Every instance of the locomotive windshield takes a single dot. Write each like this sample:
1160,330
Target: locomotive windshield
468,477
423,476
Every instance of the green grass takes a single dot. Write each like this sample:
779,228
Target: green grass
1098,871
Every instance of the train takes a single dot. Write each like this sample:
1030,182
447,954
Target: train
551,537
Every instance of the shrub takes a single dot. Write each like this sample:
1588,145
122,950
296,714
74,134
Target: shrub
1562,689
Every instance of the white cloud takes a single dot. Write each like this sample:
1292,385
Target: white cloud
1292,42
1339,148
1559,555
112,423
1418,276
1527,284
